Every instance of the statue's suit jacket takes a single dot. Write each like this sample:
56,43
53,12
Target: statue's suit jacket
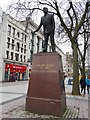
48,23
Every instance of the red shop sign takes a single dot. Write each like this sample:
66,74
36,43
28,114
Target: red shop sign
15,68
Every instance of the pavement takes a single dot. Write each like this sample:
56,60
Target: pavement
14,107
12,90
82,102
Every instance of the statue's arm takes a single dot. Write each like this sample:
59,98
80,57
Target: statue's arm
38,27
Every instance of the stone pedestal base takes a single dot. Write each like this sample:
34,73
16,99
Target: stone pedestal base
46,92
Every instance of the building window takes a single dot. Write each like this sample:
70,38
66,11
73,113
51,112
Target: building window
22,36
21,50
18,34
11,55
9,29
8,39
16,57
8,45
13,32
21,57
25,38
12,44
24,46
12,47
24,58
12,41
17,46
8,42
7,54
24,51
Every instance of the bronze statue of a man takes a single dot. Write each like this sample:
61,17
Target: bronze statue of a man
48,28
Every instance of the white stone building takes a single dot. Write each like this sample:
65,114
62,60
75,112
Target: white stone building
64,63
1,46
17,46
69,64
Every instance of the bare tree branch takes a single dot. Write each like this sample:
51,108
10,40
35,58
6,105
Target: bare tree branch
78,27
70,16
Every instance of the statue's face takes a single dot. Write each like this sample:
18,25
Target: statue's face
45,10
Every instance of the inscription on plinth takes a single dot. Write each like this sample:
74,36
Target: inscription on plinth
44,68
46,92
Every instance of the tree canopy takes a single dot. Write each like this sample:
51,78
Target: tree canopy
71,17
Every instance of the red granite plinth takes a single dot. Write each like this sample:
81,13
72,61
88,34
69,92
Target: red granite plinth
46,92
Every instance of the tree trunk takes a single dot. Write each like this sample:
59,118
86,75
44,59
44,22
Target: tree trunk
75,90
83,68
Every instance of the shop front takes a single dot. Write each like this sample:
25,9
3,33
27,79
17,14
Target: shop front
15,72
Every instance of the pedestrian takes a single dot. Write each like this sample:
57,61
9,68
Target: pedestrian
83,84
48,23
88,83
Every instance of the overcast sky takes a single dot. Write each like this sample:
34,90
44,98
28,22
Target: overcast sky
5,3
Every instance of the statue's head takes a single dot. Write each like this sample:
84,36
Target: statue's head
45,10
